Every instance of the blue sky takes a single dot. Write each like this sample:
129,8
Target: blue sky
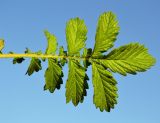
22,99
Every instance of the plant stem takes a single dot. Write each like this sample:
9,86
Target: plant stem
39,56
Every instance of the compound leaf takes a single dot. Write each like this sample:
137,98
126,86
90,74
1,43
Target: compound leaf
107,31
77,83
35,66
52,43
76,32
129,58
105,90
53,76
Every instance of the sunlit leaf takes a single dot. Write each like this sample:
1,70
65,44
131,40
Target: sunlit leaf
107,31
105,90
76,32
52,43
76,83
53,76
129,58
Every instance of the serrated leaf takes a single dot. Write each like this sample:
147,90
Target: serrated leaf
76,32
35,63
52,43
76,83
105,90
107,31
62,53
35,66
129,58
53,76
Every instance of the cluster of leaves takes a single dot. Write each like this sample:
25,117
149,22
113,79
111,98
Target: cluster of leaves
130,58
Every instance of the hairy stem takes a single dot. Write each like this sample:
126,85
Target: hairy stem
39,56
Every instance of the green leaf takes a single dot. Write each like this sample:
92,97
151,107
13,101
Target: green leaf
52,43
129,58
77,83
18,60
107,31
35,63
105,90
35,66
62,53
76,32
53,76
